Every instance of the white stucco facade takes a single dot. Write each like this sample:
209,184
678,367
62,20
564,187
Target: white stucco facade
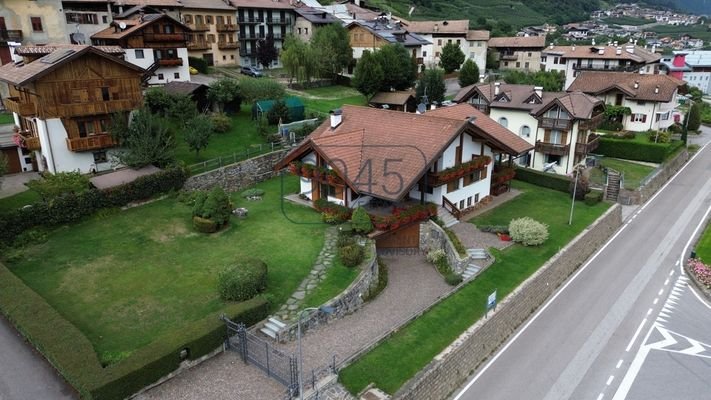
646,115
144,58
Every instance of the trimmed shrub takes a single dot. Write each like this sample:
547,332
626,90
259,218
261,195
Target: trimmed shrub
221,123
659,136
242,281
351,255
332,213
453,279
436,256
593,197
204,225
632,150
528,231
252,193
361,221
214,206
345,240
198,63
51,186
545,179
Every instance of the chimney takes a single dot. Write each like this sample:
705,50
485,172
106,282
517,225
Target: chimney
593,41
482,78
497,88
539,91
433,106
636,84
601,51
630,49
551,46
573,47
618,50
654,48
679,60
336,118
656,89
615,43
436,28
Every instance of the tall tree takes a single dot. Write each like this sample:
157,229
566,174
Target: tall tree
334,49
266,51
452,57
432,83
400,67
197,133
300,59
694,117
145,139
368,75
223,92
469,73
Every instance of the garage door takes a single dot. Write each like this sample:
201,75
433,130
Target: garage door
405,237
13,160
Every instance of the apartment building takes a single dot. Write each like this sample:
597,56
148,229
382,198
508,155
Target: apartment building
518,52
259,18
214,31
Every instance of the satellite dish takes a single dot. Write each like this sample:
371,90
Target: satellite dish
421,108
122,25
78,38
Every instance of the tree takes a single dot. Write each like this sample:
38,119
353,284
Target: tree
52,186
300,59
432,81
279,111
468,74
399,68
551,81
182,108
333,47
197,133
368,75
145,139
452,57
252,90
694,117
225,92
266,51
157,100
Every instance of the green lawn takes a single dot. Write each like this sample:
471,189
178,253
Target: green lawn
6,118
125,278
18,200
400,357
703,248
338,278
634,172
324,99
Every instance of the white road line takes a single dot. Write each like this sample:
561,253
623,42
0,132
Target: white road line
600,396
666,282
655,300
699,297
649,311
671,272
676,264
619,363
682,257
633,370
639,329
660,292
610,379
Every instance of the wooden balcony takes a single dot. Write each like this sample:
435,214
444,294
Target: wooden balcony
14,35
509,57
93,142
198,46
17,105
552,148
591,123
555,123
226,27
247,20
32,143
227,45
589,147
170,62
199,27
82,109
164,37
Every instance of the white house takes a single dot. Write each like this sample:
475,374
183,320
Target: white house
692,66
371,35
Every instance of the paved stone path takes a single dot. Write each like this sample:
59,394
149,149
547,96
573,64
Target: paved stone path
324,261
13,184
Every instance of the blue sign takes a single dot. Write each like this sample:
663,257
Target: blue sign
491,301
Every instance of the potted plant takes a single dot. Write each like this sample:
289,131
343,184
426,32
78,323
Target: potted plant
307,170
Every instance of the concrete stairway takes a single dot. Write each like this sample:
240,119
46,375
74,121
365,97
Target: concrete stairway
272,328
446,217
612,190
477,254
470,271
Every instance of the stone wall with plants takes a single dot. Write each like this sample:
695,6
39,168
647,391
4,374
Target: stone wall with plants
433,237
239,175
658,179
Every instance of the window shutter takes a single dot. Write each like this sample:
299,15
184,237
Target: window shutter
484,172
644,118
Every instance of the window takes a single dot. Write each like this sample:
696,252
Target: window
665,116
429,189
232,56
552,158
556,137
36,24
518,64
104,19
224,58
506,63
176,75
453,185
330,191
168,28
529,54
306,31
525,65
188,19
160,77
100,157
437,54
461,204
449,41
439,42
211,38
139,54
208,19
590,63
469,201
86,128
478,44
81,18
504,122
459,42
105,94
298,30
424,54
544,59
607,64
639,117
555,60
525,131
476,198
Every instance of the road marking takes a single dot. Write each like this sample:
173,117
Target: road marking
634,368
660,292
693,235
619,363
671,272
699,297
610,379
666,282
639,329
656,300
649,311
600,396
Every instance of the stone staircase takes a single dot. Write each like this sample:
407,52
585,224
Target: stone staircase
447,218
273,327
612,190
470,271
477,254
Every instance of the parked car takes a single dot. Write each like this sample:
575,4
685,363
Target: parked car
251,71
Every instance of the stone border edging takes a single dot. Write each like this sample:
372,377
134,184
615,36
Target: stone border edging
239,175
453,365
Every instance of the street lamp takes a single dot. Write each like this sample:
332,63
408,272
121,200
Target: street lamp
324,309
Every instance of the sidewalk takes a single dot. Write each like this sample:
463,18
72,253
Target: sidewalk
13,184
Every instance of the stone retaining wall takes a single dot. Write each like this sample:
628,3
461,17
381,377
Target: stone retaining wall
237,176
454,365
660,177
433,237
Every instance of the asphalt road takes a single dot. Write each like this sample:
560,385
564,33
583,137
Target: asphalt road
24,373
600,337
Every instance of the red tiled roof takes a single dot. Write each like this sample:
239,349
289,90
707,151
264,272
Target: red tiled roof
652,87
518,41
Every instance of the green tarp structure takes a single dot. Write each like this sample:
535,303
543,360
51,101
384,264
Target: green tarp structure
294,104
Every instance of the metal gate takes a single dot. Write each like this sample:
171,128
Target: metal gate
253,350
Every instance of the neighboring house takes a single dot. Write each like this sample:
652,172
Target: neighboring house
692,66
560,125
38,22
396,101
10,38
574,59
154,42
384,158
259,18
520,53
196,91
63,103
126,8
214,31
309,19
371,35
84,18
650,98
346,12
472,43
19,159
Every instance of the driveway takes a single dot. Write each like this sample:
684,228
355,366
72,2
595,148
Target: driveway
15,183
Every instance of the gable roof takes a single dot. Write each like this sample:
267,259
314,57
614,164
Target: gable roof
518,41
478,35
47,49
207,5
460,26
388,33
628,52
182,88
24,73
651,87
272,4
133,25
400,98
315,16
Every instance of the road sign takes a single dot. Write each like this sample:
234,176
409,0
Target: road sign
491,301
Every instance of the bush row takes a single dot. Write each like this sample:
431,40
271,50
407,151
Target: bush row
71,207
545,179
629,150
52,335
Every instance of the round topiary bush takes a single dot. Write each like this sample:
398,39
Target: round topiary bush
204,225
453,279
243,280
214,207
361,221
221,123
528,231
351,255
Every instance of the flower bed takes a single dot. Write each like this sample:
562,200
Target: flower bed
309,171
462,169
403,216
701,271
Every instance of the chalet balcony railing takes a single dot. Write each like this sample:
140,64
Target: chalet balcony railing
614,68
14,35
170,62
81,109
199,27
509,57
93,142
29,140
247,20
279,21
251,36
198,45
592,123
459,171
555,123
227,45
247,53
589,147
451,207
552,148
165,37
226,27
22,107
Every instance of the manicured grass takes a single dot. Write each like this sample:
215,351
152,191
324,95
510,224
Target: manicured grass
6,118
634,173
338,277
400,357
18,200
703,248
324,99
324,106
125,278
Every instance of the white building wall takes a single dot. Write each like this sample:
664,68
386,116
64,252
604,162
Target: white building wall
53,139
168,73
699,80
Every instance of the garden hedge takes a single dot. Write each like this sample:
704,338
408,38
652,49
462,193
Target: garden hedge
53,335
545,179
634,150
71,207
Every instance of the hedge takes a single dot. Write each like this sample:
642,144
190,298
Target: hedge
53,335
544,179
71,207
634,150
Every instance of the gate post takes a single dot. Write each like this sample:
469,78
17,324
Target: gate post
242,335
294,371
266,352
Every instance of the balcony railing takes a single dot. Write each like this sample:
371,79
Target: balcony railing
17,105
555,123
552,148
251,20
227,45
615,68
30,141
14,35
226,27
279,21
509,57
198,45
93,142
93,108
258,36
589,147
170,62
164,37
199,27
592,123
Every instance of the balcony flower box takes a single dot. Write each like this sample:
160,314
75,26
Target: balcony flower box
308,171
403,216
464,168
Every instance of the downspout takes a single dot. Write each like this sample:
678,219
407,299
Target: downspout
651,123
